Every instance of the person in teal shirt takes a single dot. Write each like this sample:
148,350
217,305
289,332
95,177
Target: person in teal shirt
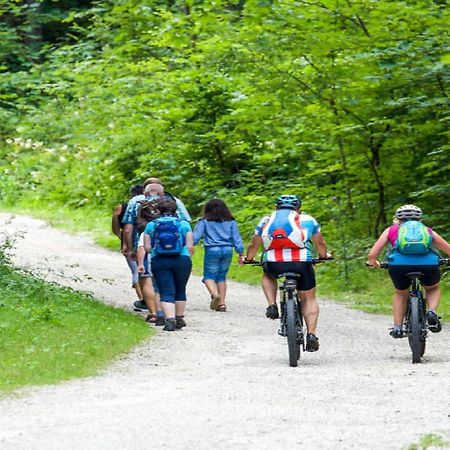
171,270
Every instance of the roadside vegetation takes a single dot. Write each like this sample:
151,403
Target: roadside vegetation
50,333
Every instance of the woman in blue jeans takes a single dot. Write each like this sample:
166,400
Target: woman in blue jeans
220,235
170,241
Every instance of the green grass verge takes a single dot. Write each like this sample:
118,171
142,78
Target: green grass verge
430,441
49,333
364,289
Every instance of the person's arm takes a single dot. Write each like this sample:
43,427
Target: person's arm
115,225
440,243
199,231
182,212
378,248
253,248
190,242
237,242
127,248
140,254
320,244
147,242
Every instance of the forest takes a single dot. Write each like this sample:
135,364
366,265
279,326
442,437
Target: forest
342,102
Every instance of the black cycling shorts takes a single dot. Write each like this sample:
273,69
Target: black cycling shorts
305,282
431,275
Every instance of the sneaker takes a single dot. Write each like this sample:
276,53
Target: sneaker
397,333
434,324
171,325
140,305
272,312
181,323
160,321
312,343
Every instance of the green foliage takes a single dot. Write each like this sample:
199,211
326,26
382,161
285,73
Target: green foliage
49,333
345,104
430,441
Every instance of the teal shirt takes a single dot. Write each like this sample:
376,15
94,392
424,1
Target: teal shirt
184,229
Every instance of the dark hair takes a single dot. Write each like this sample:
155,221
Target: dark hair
166,206
216,210
137,189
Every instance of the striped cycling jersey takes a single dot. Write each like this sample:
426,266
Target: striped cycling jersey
289,220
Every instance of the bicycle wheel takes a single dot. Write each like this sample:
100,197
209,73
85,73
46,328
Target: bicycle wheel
292,329
416,342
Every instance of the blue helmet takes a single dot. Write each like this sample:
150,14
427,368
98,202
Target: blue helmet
288,201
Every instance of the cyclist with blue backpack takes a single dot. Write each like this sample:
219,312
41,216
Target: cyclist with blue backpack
413,245
287,237
171,243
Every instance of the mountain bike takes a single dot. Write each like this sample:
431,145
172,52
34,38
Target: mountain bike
292,324
415,324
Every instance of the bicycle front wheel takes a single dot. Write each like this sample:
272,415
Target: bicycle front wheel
415,338
292,329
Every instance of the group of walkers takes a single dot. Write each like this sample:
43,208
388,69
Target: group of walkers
158,243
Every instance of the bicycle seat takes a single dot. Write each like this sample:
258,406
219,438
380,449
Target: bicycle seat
414,274
288,275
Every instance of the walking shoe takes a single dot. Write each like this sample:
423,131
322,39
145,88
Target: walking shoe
151,318
272,312
160,321
434,324
171,325
215,299
181,323
397,333
312,343
140,305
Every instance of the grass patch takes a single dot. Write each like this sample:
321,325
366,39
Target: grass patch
50,333
430,441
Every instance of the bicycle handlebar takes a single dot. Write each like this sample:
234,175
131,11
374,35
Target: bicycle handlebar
314,261
441,262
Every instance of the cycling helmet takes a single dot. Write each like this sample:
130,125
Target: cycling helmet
408,212
288,201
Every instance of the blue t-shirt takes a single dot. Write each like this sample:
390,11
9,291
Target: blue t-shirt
184,229
222,234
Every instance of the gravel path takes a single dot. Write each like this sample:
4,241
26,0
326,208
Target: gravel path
224,381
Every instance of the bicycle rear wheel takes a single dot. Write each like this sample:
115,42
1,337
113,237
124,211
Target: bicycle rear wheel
415,337
292,329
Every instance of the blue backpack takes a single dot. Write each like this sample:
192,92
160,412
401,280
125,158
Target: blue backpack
413,238
167,236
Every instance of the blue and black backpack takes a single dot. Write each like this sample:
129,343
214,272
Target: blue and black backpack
167,237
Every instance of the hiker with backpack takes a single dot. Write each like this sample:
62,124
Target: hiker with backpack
117,229
413,246
171,243
287,237
220,235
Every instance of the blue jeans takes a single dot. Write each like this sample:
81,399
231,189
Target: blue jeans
216,262
171,274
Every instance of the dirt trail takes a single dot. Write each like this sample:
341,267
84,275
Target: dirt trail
224,380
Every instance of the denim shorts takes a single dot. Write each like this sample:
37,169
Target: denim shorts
147,267
216,263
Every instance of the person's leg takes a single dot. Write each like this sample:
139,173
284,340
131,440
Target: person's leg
132,264
182,272
165,281
310,309
433,294
149,294
269,286
224,265
399,306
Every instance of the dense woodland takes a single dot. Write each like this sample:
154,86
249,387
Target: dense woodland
342,102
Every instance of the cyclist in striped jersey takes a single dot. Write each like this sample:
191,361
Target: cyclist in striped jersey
287,237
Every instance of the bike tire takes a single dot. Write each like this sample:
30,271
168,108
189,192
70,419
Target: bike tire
415,340
292,329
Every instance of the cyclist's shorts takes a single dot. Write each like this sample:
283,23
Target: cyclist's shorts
305,282
431,275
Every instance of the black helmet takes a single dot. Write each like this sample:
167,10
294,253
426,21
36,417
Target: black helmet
288,202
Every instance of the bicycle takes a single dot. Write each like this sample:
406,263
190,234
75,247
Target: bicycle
292,324
415,324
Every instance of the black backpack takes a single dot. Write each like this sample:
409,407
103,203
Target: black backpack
148,211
